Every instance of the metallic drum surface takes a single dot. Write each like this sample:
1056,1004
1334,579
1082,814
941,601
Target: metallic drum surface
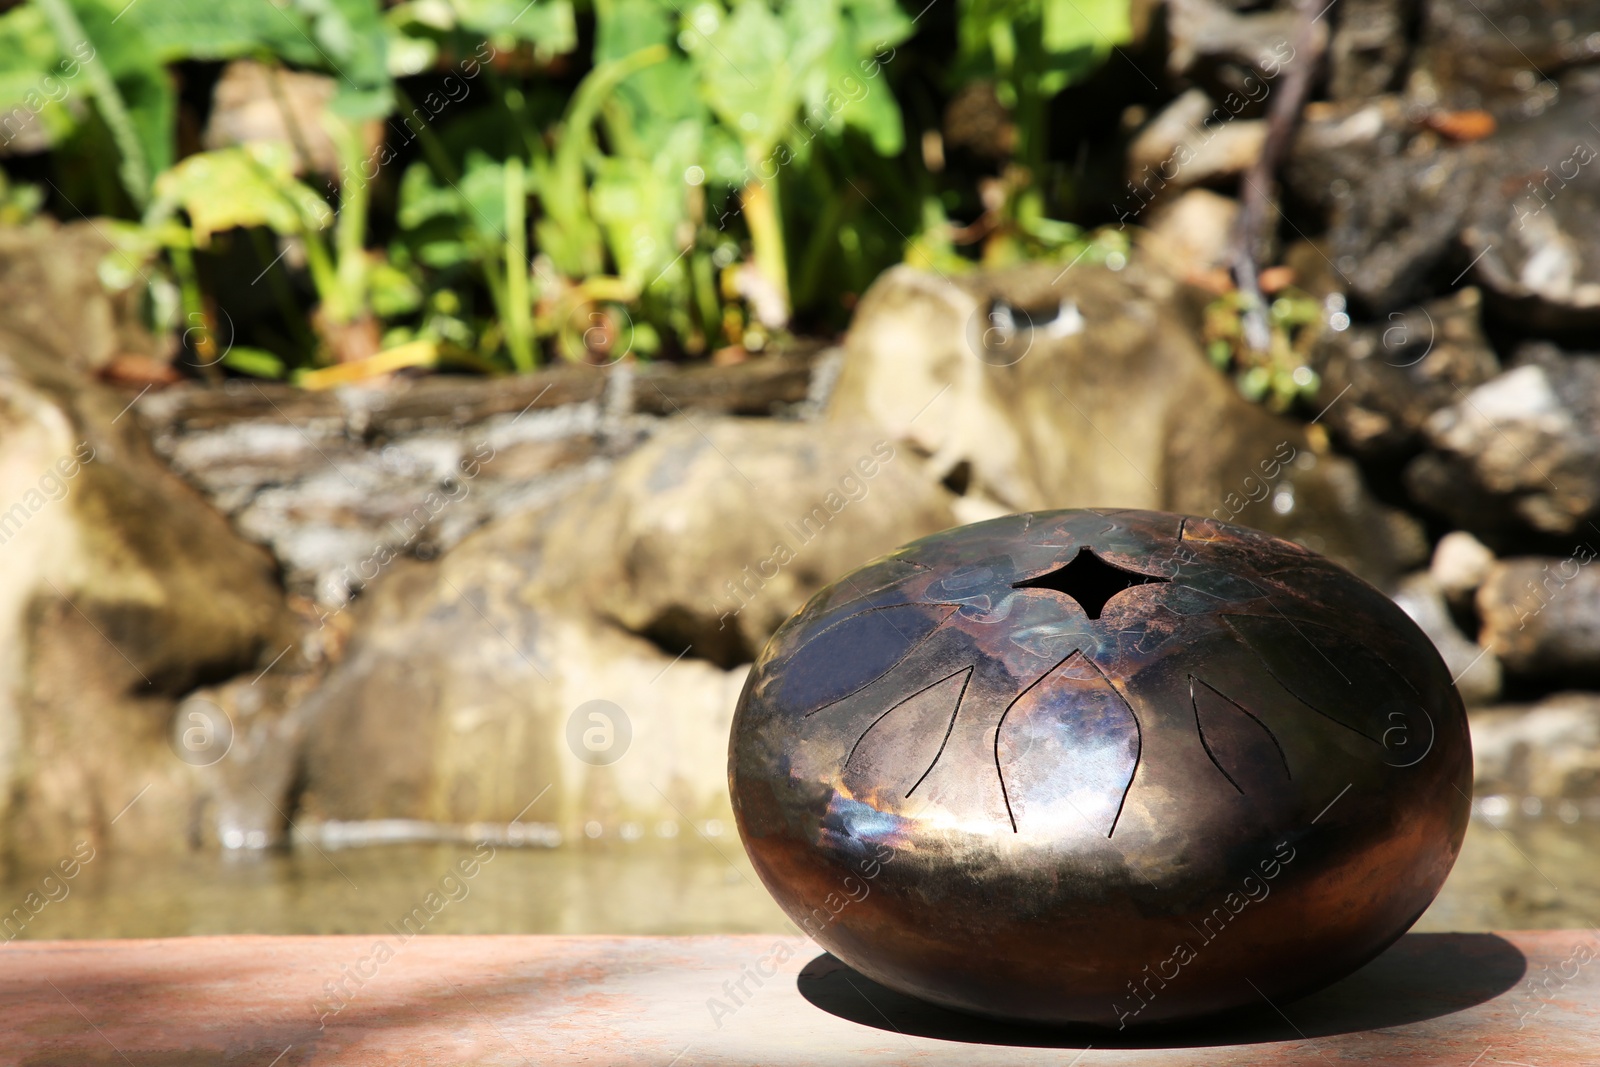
1104,767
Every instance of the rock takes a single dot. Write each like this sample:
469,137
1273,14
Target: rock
1534,245
1476,671
253,102
1224,52
55,300
1541,616
1370,47
1335,145
1520,452
648,590
1191,234
808,506
1410,210
253,731
1501,55
337,483
1040,388
1460,564
1194,140
1382,382
120,590
1551,749
1396,196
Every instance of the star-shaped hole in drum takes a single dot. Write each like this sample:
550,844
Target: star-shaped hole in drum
1089,580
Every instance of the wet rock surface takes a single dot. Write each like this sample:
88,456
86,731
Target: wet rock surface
1530,232
1229,52
1368,52
1193,142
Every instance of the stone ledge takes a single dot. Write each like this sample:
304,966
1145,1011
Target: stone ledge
1431,999
760,386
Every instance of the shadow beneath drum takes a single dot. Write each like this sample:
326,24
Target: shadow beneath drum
1420,977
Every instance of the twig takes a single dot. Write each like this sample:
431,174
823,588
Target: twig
1253,226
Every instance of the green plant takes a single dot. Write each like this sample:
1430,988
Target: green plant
1031,50
221,190
708,175
806,61
1280,375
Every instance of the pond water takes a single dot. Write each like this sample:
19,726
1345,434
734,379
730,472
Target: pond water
1523,874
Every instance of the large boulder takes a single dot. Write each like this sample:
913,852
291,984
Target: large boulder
120,591
1047,388
472,686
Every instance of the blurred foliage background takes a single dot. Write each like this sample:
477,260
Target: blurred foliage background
497,184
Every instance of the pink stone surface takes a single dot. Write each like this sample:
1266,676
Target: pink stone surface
1468,1000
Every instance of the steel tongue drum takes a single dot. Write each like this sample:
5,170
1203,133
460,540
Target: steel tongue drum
1101,767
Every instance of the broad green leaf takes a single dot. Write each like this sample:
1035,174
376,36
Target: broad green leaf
410,55
251,185
36,76
649,104
746,75
422,199
622,27
641,208
346,38
567,231
446,253
1097,26
393,291
878,116
482,185
549,25
475,204
220,29
127,82
28,54
425,14
1043,44
877,24
872,29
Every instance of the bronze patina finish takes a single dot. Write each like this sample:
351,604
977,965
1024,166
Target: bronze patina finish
1115,768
